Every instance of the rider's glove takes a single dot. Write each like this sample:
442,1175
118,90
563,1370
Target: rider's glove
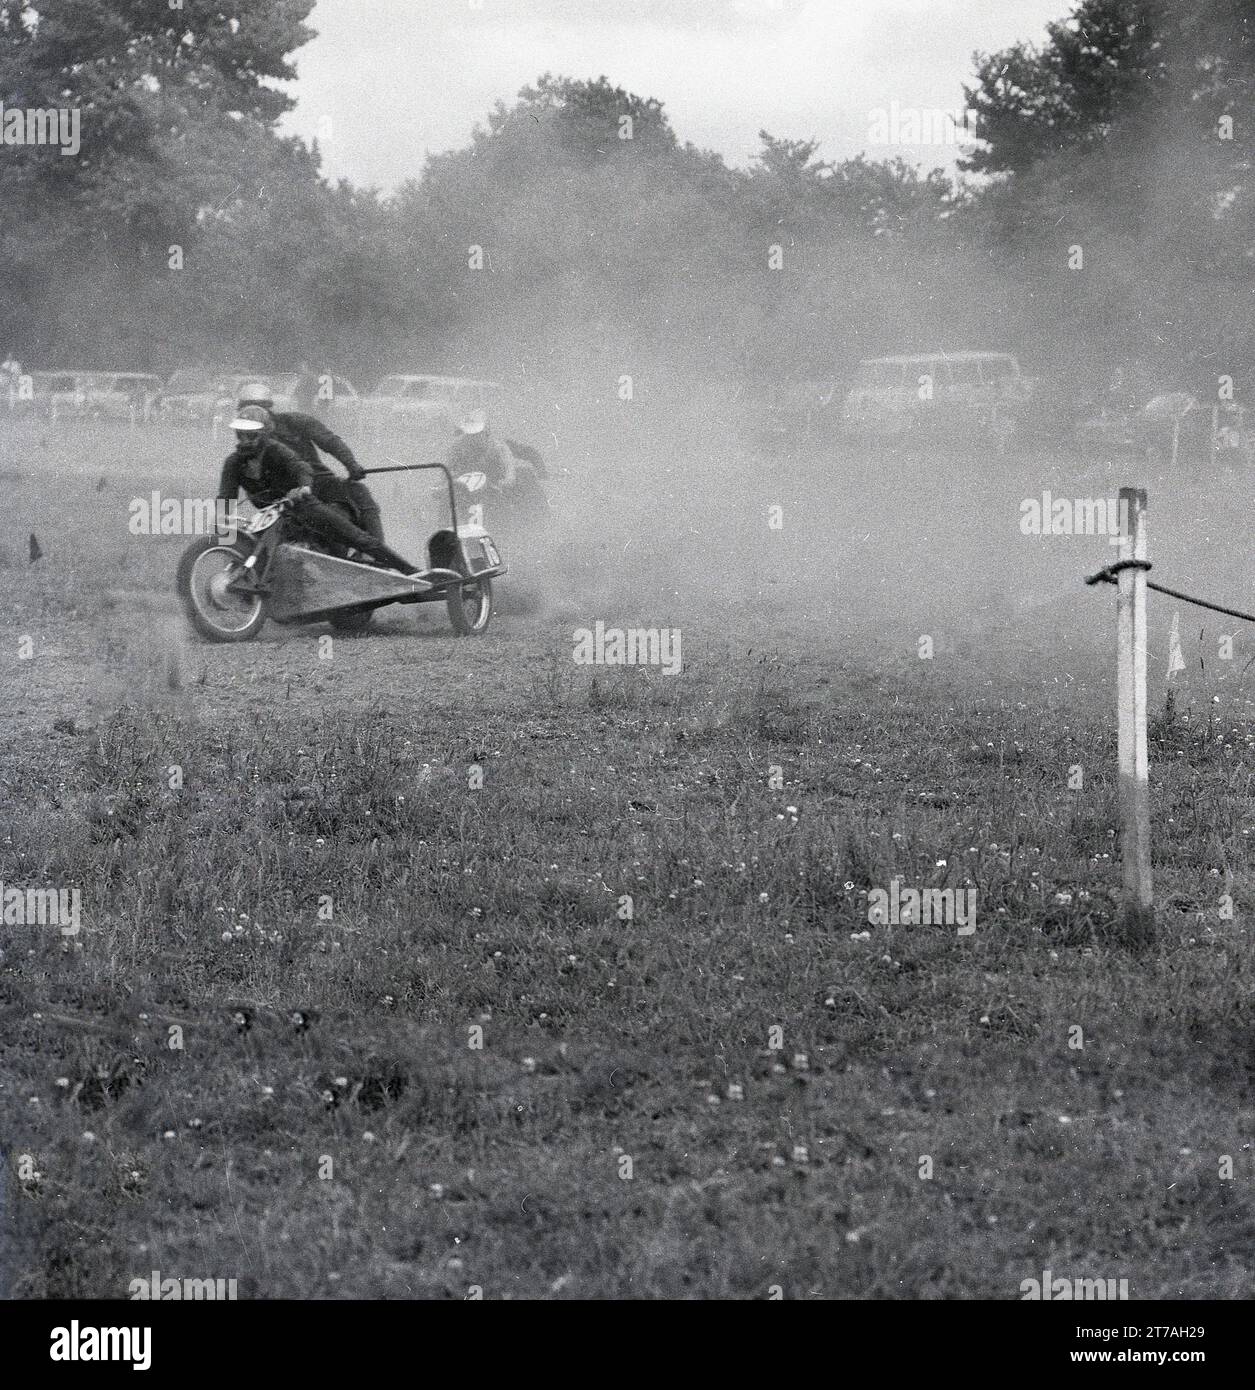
299,494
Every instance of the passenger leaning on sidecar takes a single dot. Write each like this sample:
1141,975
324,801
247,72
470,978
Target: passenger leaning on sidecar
269,471
305,435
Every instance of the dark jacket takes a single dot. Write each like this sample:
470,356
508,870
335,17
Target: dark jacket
306,434
278,471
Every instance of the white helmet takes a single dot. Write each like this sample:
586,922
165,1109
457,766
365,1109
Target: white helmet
253,419
257,393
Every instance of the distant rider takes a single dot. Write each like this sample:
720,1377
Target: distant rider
478,450
268,471
305,435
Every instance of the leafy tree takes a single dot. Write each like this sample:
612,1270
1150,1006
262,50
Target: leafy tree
177,120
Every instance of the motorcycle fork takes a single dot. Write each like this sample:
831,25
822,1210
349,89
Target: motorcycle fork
256,568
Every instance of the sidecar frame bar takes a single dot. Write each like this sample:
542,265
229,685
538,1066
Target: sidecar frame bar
415,467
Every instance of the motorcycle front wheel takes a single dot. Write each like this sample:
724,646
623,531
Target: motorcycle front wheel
218,605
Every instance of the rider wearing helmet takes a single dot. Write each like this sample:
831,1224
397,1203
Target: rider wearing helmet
305,435
269,471
477,450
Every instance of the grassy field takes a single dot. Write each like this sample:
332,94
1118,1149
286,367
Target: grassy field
420,967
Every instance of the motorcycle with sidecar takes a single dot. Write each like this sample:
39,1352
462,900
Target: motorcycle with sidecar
230,586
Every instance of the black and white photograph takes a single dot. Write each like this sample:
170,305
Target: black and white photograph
627,664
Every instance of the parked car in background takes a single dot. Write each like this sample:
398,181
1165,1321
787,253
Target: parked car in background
194,396
938,394
123,395
60,395
1171,428
435,403
337,393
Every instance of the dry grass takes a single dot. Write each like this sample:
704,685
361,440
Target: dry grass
326,909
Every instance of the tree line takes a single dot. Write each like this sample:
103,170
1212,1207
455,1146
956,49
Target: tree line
1104,214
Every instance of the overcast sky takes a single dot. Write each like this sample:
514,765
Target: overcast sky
388,81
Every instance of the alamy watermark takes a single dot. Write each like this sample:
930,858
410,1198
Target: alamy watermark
1061,1289
41,907
635,646
42,126
156,515
1049,515
79,1343
920,125
911,907
154,1289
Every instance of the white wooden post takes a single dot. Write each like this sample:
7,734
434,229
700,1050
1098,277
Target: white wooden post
1131,697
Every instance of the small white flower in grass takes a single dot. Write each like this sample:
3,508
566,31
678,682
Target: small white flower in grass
169,1134
801,1154
88,1137
529,1064
800,1061
941,863
762,897
1063,898
736,1091
1065,1119
63,1080
368,1137
437,1190
860,936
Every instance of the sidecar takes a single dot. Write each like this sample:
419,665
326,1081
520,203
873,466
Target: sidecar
230,590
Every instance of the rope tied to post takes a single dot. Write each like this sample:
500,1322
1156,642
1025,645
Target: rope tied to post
1108,576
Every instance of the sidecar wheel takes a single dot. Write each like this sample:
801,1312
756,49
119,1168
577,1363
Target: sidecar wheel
470,607
216,611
